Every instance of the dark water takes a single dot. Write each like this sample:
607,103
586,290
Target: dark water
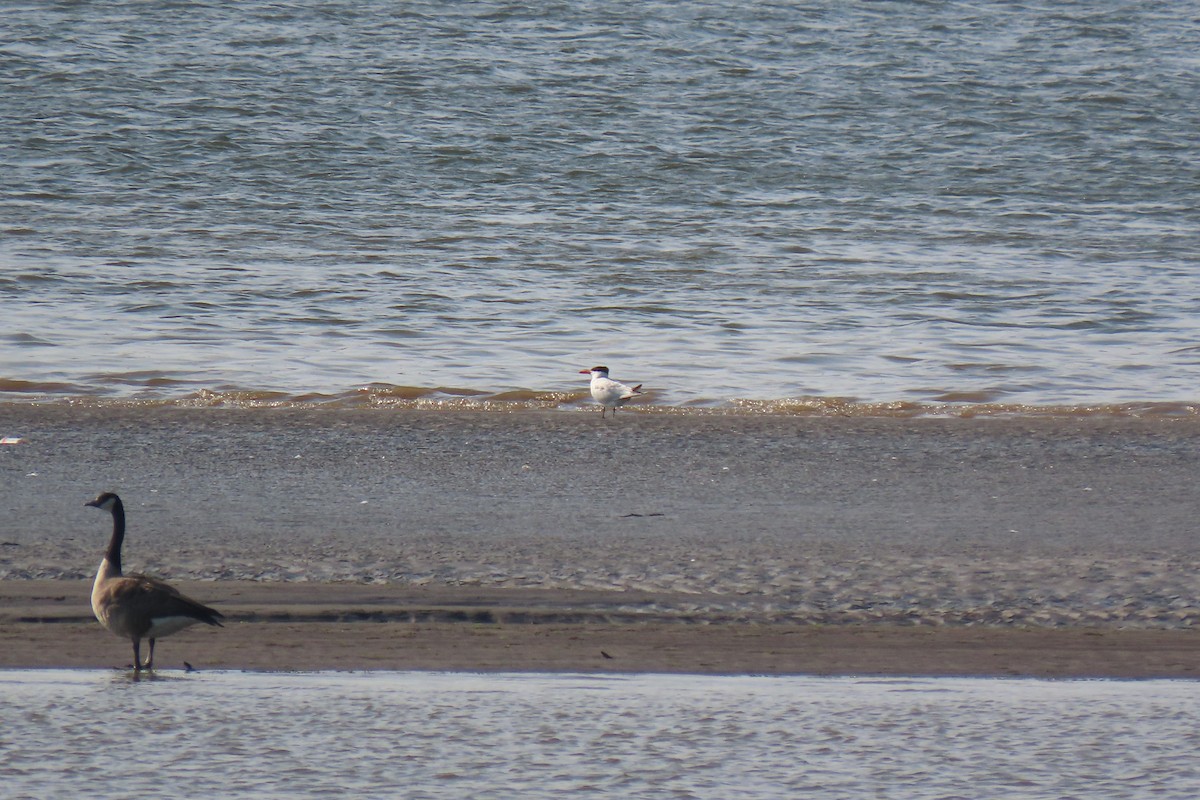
547,736
894,202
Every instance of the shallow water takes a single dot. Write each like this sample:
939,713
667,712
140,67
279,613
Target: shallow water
887,201
419,735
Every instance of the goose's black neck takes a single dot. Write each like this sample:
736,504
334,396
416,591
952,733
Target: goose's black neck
118,535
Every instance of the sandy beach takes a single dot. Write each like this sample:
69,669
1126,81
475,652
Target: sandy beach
347,627
670,542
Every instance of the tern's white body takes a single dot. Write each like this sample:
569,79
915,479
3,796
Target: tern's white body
609,393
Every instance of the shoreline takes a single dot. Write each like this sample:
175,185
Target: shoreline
385,539
307,627
417,400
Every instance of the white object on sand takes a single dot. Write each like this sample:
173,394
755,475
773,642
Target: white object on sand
607,392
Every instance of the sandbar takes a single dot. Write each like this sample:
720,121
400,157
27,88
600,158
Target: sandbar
709,543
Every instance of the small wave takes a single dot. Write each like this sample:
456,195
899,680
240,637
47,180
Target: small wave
38,388
962,405
145,378
29,340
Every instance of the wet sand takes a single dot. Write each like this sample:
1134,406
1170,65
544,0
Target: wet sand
348,627
671,542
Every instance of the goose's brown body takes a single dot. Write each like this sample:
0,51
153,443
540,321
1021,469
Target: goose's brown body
137,607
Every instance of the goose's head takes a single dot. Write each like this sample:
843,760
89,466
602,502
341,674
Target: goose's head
105,501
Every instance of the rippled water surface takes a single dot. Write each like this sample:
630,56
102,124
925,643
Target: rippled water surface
416,735
887,201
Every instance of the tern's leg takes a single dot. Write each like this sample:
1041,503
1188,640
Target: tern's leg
137,654
150,661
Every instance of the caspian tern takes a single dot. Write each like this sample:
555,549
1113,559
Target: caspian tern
607,392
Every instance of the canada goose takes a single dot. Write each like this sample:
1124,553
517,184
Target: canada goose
607,392
137,606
